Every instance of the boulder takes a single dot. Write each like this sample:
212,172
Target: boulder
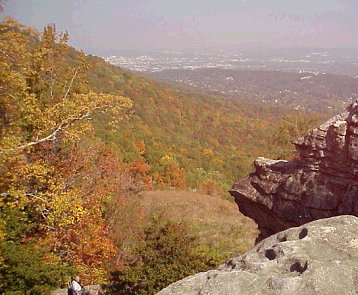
320,257
321,183
88,290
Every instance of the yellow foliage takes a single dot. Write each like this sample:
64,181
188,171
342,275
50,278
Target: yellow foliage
41,98
46,105
208,152
167,159
65,209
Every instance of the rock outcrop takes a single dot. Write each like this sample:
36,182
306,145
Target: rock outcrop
321,184
320,257
88,290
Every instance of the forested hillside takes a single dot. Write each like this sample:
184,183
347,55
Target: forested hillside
80,139
189,139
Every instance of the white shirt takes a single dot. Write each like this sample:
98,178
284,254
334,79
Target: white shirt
75,286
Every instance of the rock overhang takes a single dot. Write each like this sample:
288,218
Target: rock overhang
323,182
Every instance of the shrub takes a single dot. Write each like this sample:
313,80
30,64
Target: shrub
166,254
25,269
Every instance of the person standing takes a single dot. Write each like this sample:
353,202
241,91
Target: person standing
76,288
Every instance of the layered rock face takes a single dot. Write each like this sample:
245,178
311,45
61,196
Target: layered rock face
323,183
320,257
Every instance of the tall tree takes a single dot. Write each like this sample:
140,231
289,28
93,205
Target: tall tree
46,106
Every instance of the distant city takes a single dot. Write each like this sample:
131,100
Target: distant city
336,61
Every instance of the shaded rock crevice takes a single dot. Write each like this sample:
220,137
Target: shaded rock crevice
321,184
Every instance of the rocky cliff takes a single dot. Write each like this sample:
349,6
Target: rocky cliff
322,183
320,257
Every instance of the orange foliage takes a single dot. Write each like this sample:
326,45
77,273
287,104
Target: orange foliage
140,144
173,176
139,170
94,174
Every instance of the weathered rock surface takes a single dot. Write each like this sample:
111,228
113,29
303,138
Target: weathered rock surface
88,290
323,183
319,258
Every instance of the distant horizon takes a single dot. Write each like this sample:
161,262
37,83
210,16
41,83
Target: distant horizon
254,51
107,27
264,49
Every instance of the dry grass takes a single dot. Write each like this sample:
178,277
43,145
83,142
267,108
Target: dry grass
216,221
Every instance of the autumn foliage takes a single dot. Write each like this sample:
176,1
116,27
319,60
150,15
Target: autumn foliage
74,149
50,195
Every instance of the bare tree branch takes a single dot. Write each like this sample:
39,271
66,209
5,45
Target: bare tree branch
7,55
42,212
84,114
55,133
70,86
35,196
52,87
295,125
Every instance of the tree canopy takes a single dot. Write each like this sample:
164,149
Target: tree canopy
46,107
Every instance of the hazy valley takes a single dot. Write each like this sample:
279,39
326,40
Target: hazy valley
321,81
297,60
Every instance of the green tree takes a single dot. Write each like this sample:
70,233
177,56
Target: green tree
26,269
167,253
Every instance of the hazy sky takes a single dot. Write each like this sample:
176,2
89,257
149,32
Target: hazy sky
102,26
